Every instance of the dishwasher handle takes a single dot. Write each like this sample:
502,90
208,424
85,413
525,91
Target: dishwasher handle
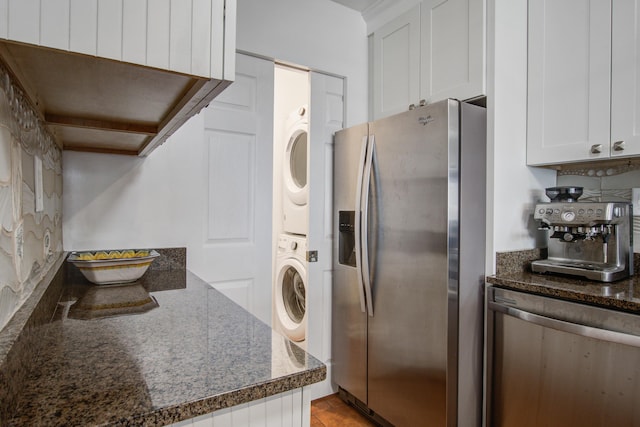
574,328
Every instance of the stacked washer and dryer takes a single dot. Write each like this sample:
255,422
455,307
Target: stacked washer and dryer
290,274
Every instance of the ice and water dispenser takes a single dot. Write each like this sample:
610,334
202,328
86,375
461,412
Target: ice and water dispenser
347,239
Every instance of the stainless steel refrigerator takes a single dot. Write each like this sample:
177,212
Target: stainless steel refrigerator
408,265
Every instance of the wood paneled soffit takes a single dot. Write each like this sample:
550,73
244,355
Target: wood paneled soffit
101,105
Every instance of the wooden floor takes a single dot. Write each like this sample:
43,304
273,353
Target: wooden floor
331,411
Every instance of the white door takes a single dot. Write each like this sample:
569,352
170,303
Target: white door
326,117
396,64
452,49
625,79
569,58
236,253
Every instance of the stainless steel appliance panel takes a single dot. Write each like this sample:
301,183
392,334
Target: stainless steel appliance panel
349,321
469,315
557,363
409,200
409,211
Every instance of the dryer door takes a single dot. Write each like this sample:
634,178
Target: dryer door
290,301
295,165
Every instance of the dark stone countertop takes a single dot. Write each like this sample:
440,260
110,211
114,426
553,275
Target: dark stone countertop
619,295
170,348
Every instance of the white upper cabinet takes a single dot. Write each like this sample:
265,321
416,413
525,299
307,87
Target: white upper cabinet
186,36
452,49
568,80
396,64
583,84
625,79
434,51
118,76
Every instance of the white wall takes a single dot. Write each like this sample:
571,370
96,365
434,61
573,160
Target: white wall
117,201
513,188
151,201
318,34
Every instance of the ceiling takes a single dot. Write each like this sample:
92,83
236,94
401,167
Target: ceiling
359,5
377,12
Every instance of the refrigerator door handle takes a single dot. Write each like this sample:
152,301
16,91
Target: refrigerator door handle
364,224
358,212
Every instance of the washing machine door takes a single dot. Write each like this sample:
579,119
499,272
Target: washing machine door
295,167
290,301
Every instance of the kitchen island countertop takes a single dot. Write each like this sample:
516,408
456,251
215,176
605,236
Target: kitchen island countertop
186,351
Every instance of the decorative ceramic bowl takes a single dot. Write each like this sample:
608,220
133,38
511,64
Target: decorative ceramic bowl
107,267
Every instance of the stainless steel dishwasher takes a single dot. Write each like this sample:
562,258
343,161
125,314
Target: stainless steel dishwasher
551,362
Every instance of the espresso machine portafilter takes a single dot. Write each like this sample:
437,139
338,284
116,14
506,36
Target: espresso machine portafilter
588,239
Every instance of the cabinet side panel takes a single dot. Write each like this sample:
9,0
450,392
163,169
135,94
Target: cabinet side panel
217,38
134,31
4,18
180,36
24,22
158,30
54,24
83,26
201,38
110,29
229,45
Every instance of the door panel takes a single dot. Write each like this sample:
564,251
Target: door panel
326,117
236,246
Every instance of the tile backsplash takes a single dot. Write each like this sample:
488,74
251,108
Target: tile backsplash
30,198
608,183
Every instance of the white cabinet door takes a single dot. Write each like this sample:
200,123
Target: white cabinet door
452,49
625,79
568,81
396,64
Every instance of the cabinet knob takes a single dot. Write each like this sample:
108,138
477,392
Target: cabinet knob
618,146
596,149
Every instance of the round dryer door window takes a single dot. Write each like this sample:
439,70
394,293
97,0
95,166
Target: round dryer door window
295,170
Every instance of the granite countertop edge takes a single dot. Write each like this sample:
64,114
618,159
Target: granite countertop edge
188,410
616,295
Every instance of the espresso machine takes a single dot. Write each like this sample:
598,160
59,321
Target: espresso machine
593,240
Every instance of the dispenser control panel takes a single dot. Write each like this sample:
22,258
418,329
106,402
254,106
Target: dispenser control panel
580,212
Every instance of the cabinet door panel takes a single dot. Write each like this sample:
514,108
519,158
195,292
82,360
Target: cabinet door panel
625,78
396,61
568,80
452,49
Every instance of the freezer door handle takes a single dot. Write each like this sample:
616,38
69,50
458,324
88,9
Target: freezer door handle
358,231
563,326
366,277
